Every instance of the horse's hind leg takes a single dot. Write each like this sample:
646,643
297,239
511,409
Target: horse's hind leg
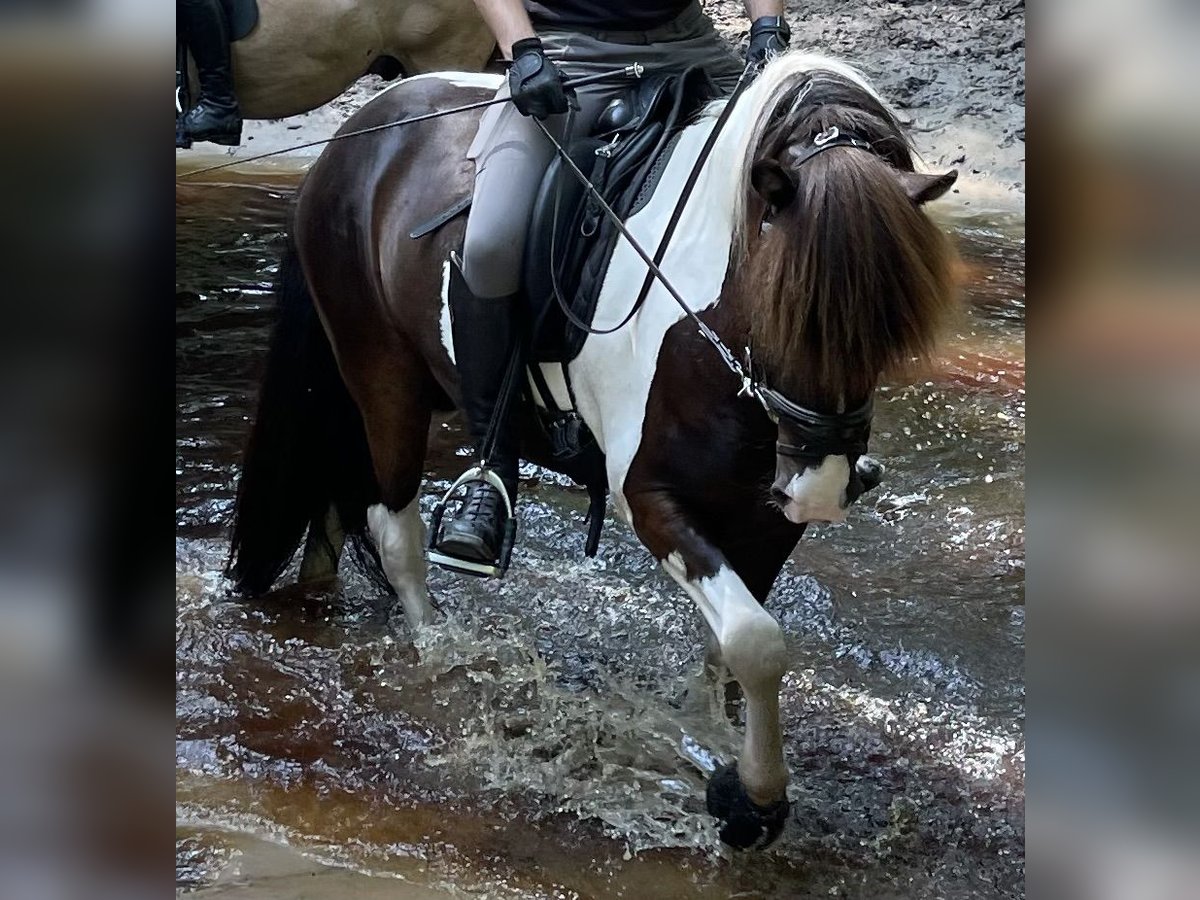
323,547
395,402
400,536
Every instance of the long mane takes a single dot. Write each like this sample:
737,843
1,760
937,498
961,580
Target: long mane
853,281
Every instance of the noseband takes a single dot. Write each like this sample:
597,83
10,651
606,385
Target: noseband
821,434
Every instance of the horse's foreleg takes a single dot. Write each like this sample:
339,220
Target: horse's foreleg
750,797
726,689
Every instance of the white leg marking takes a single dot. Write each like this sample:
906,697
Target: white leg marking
400,537
447,333
752,646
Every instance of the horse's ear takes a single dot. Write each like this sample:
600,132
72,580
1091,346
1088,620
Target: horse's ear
773,183
922,188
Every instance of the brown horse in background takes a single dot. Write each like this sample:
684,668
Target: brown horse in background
804,240
303,53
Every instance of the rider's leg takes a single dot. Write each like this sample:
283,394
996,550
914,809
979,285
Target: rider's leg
510,155
216,116
487,344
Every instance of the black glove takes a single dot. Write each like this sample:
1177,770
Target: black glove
769,34
535,83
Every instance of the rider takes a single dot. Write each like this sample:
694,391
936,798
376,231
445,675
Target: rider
204,27
549,41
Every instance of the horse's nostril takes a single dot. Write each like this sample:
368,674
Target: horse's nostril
779,496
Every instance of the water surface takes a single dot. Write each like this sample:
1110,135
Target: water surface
549,737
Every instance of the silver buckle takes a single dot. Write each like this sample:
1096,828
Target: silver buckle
829,134
607,150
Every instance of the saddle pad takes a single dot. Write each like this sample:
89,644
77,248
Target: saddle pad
572,250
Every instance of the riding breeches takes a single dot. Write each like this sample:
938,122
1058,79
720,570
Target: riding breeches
511,154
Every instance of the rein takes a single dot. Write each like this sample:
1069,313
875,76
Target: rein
825,433
631,71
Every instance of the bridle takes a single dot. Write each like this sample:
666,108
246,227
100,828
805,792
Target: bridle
821,434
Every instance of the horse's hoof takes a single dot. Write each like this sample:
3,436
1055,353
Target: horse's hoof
745,824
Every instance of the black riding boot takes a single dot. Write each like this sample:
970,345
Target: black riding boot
216,116
486,338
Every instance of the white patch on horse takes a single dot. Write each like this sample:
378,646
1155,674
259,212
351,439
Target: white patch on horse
818,494
751,644
447,332
479,80
400,537
613,373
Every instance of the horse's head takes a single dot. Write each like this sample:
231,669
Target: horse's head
844,278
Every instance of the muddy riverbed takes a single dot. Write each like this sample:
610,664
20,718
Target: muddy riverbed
547,737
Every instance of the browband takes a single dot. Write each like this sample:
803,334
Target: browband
827,140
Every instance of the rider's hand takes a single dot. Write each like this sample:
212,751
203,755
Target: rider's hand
768,35
535,83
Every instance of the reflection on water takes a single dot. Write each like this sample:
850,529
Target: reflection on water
549,737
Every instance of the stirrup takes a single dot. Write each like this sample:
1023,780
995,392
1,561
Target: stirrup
470,566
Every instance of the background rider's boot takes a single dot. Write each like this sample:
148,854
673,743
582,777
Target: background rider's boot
486,337
216,116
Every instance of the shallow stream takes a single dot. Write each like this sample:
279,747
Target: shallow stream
549,736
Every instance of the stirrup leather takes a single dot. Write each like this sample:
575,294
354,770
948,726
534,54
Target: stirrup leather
469,566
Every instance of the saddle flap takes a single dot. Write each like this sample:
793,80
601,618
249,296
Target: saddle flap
551,236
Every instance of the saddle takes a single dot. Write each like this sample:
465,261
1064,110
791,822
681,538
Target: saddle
570,240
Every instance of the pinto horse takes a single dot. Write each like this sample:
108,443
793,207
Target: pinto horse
814,253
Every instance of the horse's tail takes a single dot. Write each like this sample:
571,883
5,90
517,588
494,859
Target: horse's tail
307,452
